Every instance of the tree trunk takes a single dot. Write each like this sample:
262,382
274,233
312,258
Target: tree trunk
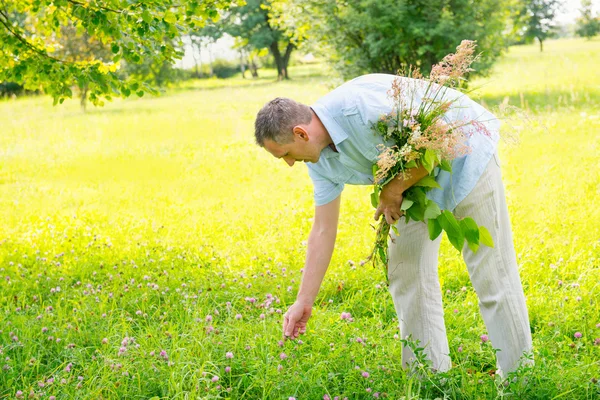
200,58
286,60
242,64
194,48
83,98
541,45
253,67
210,68
274,47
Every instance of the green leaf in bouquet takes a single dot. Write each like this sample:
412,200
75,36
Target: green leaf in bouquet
406,204
374,199
432,211
450,225
375,169
473,246
434,228
446,165
428,181
395,229
416,194
411,164
416,212
471,232
382,255
428,159
382,128
485,237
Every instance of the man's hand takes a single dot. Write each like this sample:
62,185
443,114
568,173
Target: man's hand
294,320
390,200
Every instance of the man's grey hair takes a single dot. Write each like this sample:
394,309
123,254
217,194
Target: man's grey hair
277,118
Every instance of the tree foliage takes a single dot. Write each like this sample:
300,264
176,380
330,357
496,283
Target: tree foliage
537,17
588,26
31,32
255,25
361,36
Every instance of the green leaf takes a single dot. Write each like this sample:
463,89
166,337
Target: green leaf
395,229
470,230
115,48
374,199
428,160
432,211
428,181
485,237
382,255
170,17
406,204
450,225
147,17
416,194
434,228
446,165
416,212
474,247
411,164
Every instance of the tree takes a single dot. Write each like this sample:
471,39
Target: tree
207,35
132,30
588,26
360,36
537,18
254,24
151,71
80,47
248,56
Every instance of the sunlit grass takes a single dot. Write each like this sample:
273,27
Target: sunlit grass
172,194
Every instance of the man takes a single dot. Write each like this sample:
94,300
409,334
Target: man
335,139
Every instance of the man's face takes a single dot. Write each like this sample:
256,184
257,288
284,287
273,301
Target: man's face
301,149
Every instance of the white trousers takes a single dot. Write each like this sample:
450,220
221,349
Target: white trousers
415,287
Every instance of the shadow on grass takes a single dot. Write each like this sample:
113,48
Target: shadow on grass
238,83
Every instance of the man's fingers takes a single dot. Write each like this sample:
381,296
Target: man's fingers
378,213
392,217
285,323
290,327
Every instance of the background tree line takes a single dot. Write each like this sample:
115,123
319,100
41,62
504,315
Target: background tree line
107,48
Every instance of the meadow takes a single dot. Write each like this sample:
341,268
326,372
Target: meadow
149,248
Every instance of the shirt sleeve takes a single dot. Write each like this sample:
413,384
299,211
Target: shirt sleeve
325,191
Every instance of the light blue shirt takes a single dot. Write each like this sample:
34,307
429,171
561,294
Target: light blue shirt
348,113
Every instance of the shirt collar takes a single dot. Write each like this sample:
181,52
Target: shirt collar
334,129
327,152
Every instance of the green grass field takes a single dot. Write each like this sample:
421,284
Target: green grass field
142,242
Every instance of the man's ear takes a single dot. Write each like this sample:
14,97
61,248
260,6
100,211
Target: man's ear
300,132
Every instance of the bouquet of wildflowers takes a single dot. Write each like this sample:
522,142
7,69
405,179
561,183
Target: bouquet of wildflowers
419,136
